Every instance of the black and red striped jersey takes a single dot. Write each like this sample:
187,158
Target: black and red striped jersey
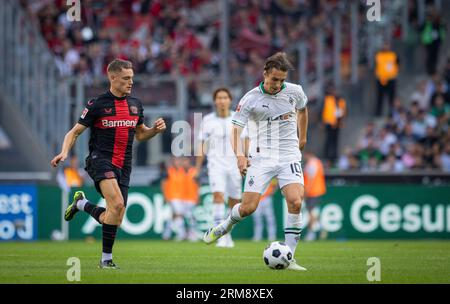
113,122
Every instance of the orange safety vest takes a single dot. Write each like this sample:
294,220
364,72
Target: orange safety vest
386,67
73,178
174,184
314,184
330,110
180,185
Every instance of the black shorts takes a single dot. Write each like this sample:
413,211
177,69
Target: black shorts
100,169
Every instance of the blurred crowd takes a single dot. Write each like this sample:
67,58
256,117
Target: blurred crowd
179,37
182,37
416,135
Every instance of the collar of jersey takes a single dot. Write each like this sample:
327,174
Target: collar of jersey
117,98
261,87
217,115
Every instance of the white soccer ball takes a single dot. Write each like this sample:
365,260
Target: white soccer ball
277,255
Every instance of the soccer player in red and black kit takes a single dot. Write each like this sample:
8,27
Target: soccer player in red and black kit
115,118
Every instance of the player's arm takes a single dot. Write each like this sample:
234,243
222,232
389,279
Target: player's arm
302,125
246,146
145,133
199,159
239,148
69,142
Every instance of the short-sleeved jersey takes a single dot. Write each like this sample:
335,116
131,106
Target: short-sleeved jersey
272,121
113,122
215,131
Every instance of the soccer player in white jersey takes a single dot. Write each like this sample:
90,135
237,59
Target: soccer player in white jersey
224,177
274,112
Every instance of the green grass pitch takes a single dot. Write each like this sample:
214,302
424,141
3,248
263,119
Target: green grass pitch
151,261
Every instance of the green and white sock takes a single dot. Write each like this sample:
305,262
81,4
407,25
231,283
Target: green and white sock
233,218
293,230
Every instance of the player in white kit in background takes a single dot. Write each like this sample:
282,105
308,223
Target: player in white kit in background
274,112
224,177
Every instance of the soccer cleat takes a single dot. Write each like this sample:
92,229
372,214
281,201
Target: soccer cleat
108,264
212,235
72,209
294,266
222,242
230,243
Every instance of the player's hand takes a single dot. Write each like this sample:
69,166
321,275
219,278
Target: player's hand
302,144
58,158
159,125
243,163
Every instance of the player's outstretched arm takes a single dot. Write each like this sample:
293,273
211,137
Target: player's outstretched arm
145,133
69,141
302,125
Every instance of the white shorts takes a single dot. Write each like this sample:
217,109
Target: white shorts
261,172
227,181
180,207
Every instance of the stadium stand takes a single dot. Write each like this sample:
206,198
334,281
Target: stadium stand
175,49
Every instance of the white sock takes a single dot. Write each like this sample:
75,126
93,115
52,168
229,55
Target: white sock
233,218
81,203
179,228
218,213
293,230
106,256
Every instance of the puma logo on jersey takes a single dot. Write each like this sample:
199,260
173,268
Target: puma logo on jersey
265,106
118,123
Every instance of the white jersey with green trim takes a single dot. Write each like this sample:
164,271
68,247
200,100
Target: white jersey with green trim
215,131
272,121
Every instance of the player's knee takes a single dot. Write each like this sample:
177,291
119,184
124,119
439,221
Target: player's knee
294,205
117,207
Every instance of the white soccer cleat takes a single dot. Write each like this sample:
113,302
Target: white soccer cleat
213,234
222,242
230,243
294,266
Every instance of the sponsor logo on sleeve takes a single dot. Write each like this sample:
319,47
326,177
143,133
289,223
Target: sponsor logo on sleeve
110,174
134,109
85,111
